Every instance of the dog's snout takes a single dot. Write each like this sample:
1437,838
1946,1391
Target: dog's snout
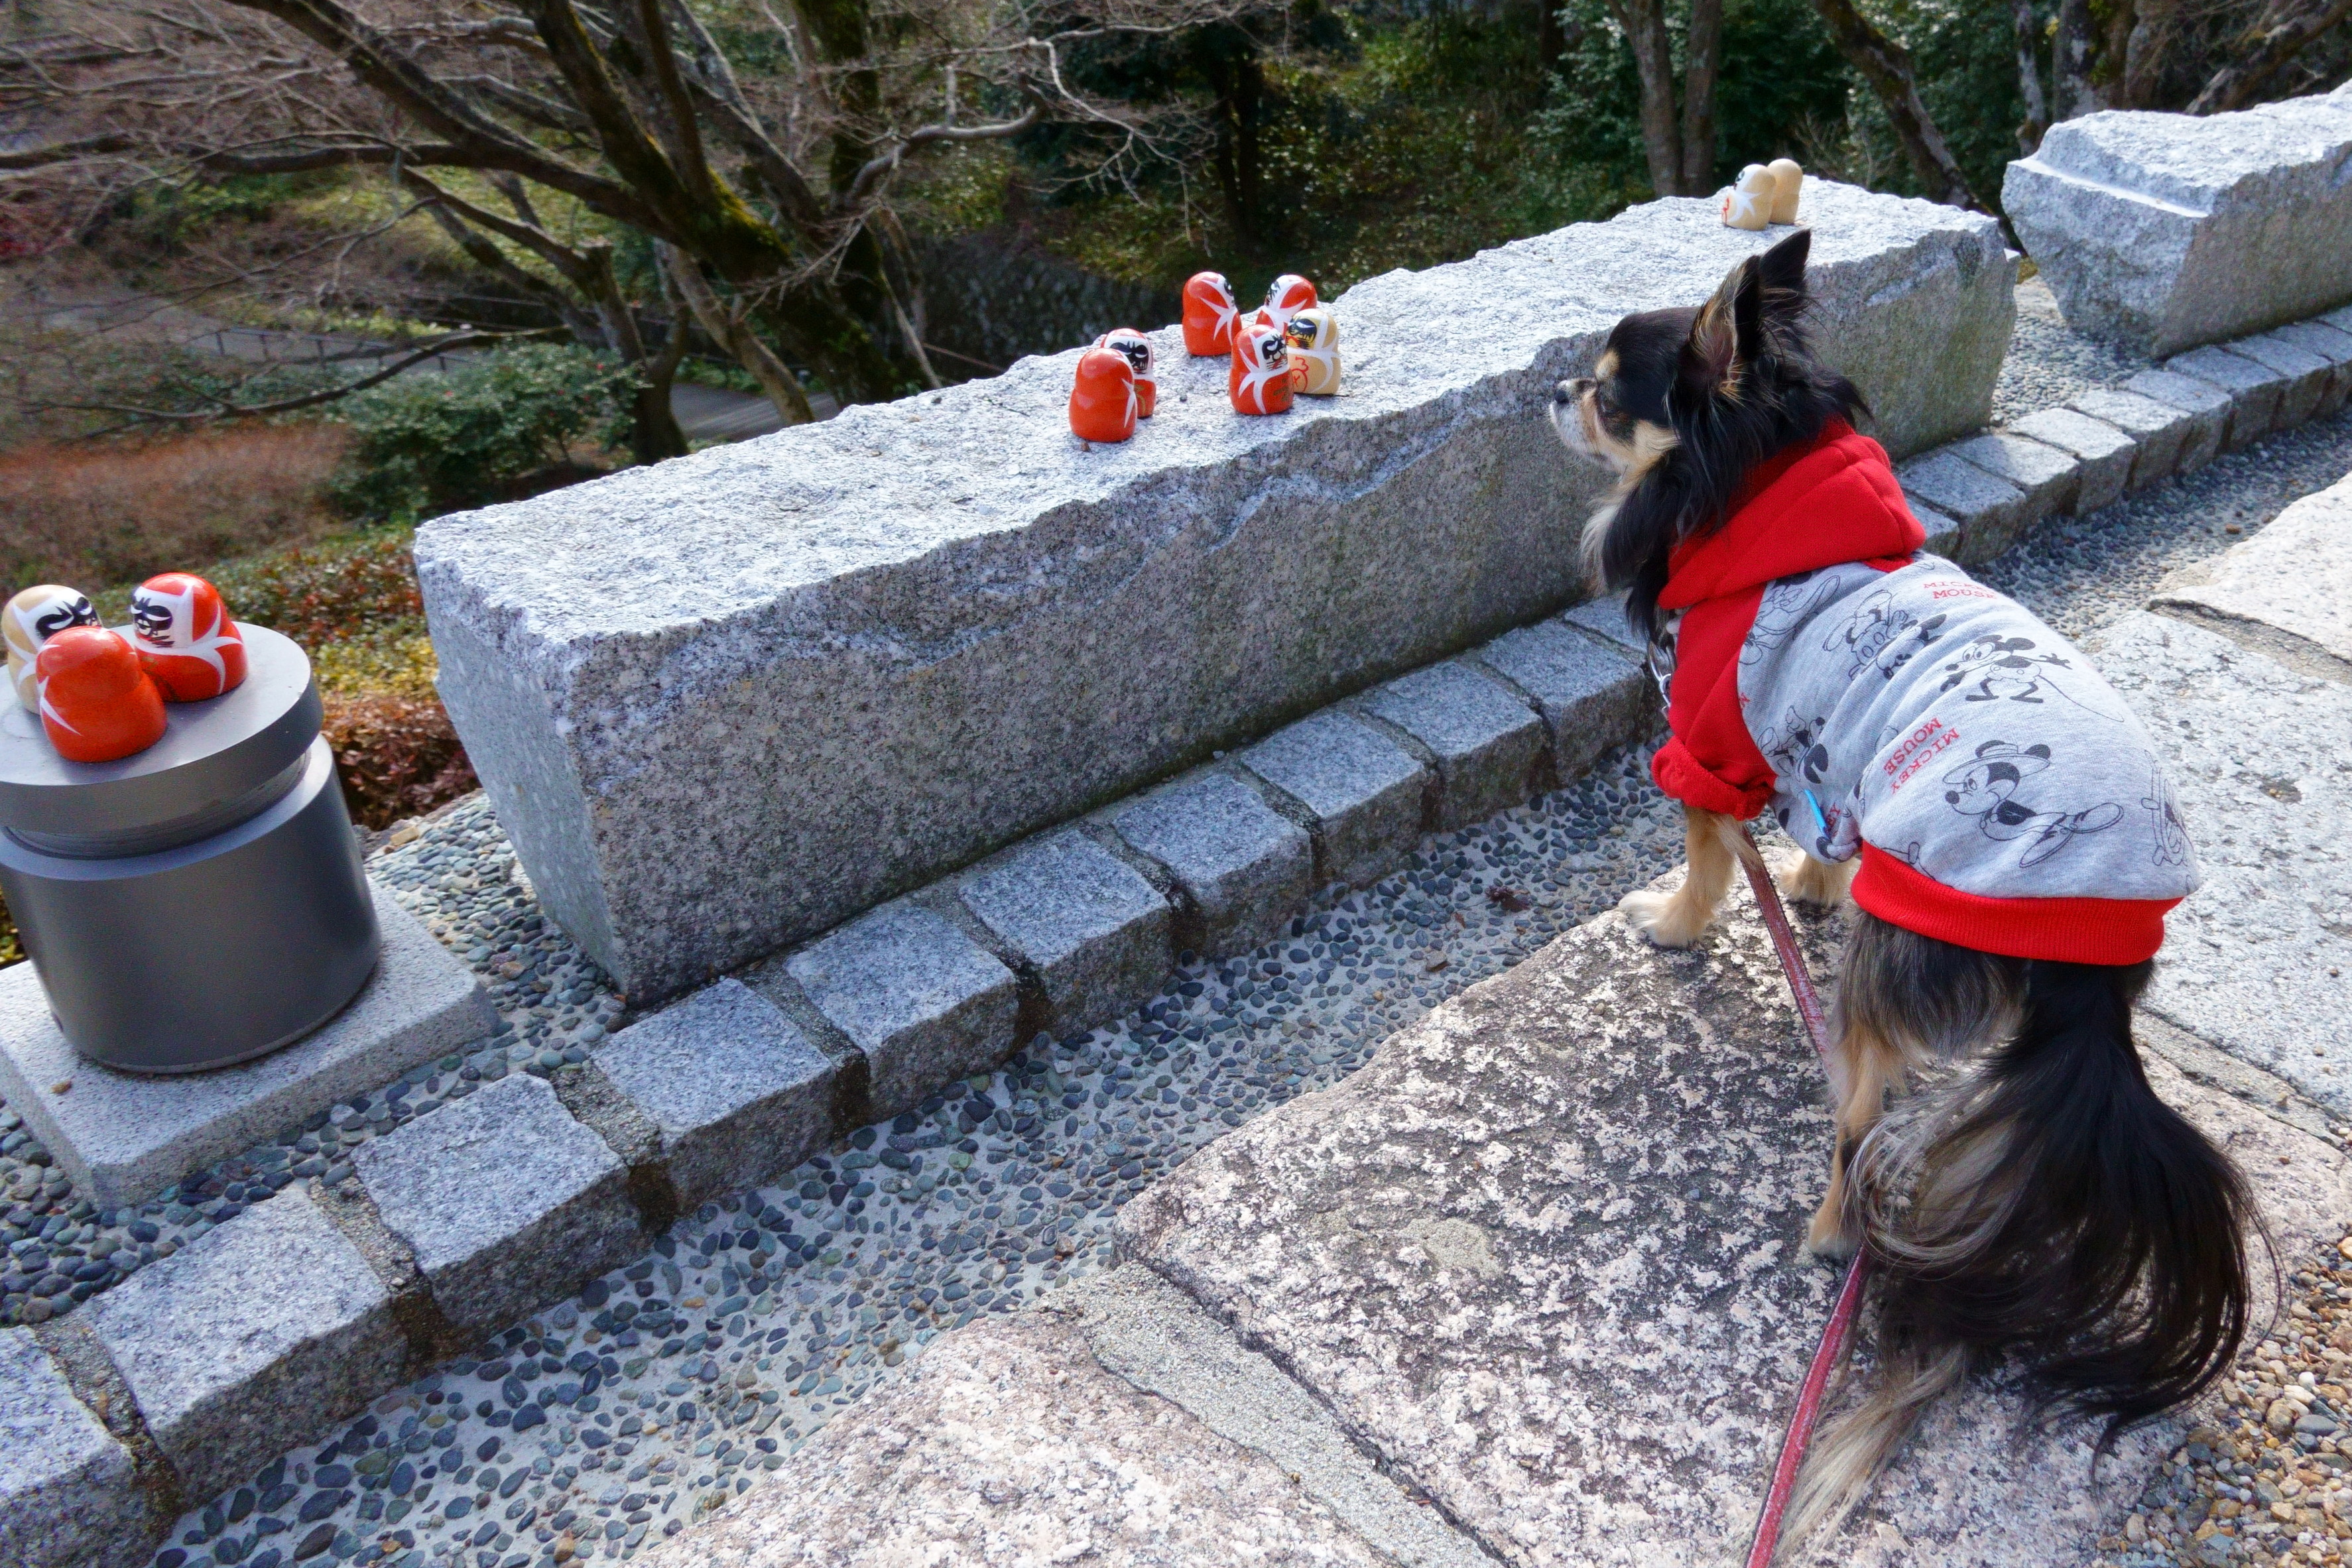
1568,391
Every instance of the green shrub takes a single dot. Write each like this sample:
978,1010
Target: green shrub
428,443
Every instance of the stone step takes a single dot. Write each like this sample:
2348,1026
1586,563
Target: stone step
2286,593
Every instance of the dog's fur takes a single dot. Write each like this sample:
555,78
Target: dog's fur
2046,1206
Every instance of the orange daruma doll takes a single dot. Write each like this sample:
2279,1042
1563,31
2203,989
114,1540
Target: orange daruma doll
1260,381
1209,315
188,646
1102,400
1137,350
97,704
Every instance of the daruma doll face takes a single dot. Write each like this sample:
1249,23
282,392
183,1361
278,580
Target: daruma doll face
31,618
97,704
1137,349
1287,297
190,647
1314,339
1259,382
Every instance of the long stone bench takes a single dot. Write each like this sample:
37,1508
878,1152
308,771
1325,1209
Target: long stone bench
730,700
2165,231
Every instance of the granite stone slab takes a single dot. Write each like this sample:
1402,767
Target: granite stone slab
2103,454
2258,961
2255,389
2308,375
1605,619
2158,430
1592,696
725,702
2049,477
1241,867
2286,593
2164,231
1991,511
1098,935
1008,1445
2332,344
69,1498
924,1001
738,1094
1367,794
122,1136
1487,741
1538,1257
506,1201
254,1337
2209,406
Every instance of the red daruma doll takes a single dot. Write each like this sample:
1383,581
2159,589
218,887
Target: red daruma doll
97,704
1260,381
1210,315
1288,295
188,646
1102,402
1127,341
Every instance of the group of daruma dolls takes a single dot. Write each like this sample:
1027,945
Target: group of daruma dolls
1288,346
101,694
1764,194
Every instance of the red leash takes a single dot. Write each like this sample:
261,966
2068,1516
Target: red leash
1767,1539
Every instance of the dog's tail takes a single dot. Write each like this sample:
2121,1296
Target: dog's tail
2048,1207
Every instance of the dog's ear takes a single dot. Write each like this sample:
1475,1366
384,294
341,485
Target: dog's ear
1783,272
1723,336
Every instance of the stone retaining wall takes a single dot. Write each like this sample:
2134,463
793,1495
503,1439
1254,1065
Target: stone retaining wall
728,702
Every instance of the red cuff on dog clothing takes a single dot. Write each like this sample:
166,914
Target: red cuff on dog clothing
2063,930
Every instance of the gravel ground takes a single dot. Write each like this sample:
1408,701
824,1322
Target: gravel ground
660,1390
2049,363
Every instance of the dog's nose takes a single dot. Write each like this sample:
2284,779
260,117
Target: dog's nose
1564,393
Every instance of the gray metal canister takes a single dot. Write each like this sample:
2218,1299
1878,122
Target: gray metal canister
200,903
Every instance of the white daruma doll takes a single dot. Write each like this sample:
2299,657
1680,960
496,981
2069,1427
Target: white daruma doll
1788,185
32,618
1313,336
1259,381
1137,347
187,644
1748,204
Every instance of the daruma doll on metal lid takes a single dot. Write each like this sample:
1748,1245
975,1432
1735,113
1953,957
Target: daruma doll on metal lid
1127,341
1102,400
1260,378
1210,315
32,618
97,704
188,646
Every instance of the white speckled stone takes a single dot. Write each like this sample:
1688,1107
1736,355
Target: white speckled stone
508,1202
2157,430
2255,389
1241,867
2103,454
1097,933
728,702
2049,477
68,1497
255,1336
2162,231
924,1001
2330,343
1991,512
738,1094
1488,740
2287,592
1365,792
2308,375
2209,406
1591,694
1605,619
2261,758
1538,1258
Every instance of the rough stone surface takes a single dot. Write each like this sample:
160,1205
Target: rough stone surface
259,1334
2049,477
1365,792
2330,343
124,1136
1095,932
2287,592
67,1498
1538,1257
2155,429
1991,512
1605,619
738,1094
2210,409
727,702
1487,740
924,1001
2259,960
2255,389
2163,232
506,1201
1592,695
2308,375
1007,1444
2103,454
1241,867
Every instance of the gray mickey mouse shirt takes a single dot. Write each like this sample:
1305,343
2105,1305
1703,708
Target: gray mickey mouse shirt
2000,793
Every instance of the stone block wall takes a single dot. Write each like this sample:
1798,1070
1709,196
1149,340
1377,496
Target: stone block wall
730,700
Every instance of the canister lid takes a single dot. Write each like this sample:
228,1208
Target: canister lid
216,758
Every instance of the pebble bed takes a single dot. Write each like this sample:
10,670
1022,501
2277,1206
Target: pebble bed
2050,364
662,1389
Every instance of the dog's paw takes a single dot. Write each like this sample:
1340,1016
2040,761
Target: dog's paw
1827,1238
1663,917
1804,880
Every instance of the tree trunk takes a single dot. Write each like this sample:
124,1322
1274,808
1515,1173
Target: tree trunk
1885,64
1703,59
731,332
2144,52
1551,38
2029,79
1239,80
1645,22
2236,82
2070,62
653,433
